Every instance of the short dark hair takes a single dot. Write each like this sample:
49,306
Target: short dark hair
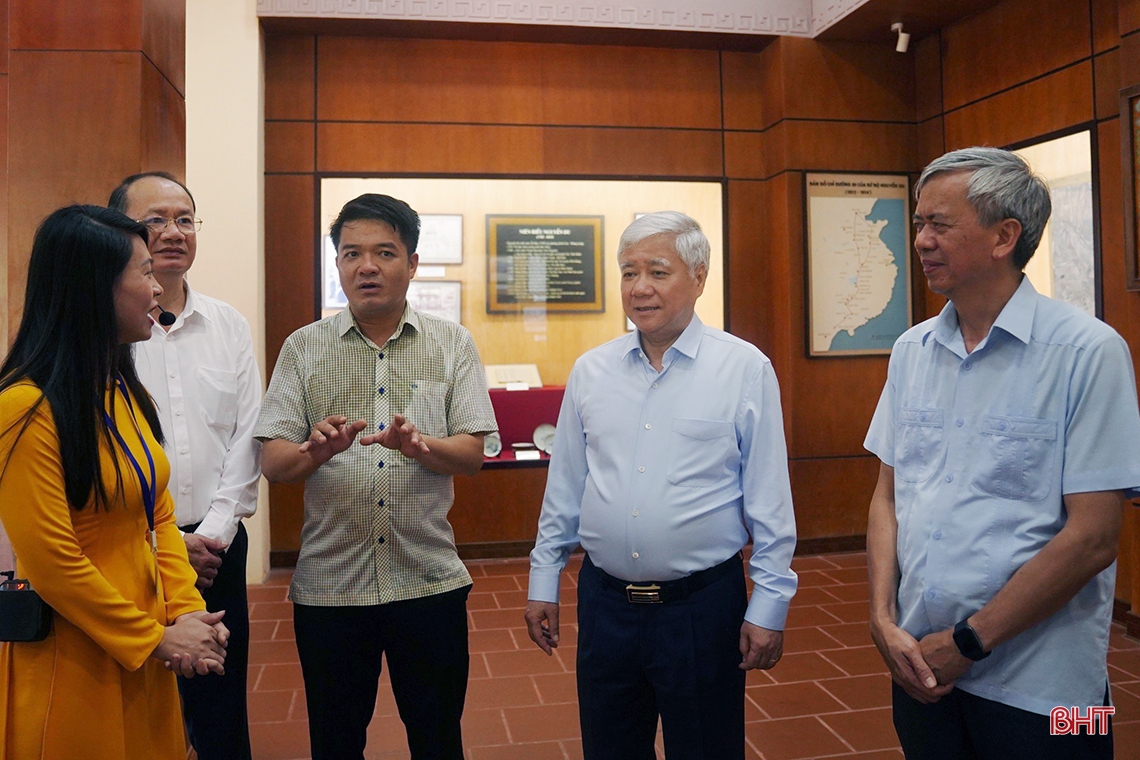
118,200
380,208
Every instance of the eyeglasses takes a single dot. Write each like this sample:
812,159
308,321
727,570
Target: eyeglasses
187,225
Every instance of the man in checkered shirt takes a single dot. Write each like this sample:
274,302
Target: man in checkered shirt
378,572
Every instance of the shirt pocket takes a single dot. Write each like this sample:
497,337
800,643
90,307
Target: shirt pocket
1015,458
918,443
217,394
427,409
702,452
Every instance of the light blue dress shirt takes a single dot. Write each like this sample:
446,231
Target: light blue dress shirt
661,474
984,446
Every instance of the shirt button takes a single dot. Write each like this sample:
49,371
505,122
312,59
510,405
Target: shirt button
381,356
173,375
960,423
380,426
931,594
636,555
635,513
381,464
654,385
380,540
937,535
380,390
184,449
949,478
186,490
648,426
178,413
641,469
380,503
967,366
1001,426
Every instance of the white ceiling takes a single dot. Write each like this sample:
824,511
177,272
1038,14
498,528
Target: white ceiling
798,18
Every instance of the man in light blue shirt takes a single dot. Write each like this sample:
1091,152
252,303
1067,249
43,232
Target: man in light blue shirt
1008,433
669,456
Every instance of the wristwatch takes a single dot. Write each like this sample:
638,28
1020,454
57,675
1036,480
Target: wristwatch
968,642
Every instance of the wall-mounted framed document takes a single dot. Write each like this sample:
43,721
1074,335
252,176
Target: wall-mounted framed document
440,298
549,261
441,239
858,262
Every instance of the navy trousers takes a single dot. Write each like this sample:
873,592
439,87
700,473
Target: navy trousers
962,726
425,642
677,660
214,707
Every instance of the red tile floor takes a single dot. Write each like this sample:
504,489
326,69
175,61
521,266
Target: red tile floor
828,697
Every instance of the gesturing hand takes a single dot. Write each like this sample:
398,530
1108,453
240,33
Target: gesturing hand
401,435
331,436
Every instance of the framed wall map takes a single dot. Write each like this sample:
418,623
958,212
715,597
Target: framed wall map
858,262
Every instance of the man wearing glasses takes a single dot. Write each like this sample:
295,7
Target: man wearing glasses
199,366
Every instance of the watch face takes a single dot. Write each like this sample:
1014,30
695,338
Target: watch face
968,643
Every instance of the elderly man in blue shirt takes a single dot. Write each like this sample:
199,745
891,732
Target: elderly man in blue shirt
1008,435
669,456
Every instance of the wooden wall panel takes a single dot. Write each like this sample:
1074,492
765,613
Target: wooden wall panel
1018,114
745,156
290,74
632,152
1105,24
831,496
74,24
834,400
1128,16
1130,60
516,83
164,39
846,80
750,81
783,250
429,148
289,287
844,145
3,38
1106,84
498,505
289,272
748,270
927,77
163,124
995,49
54,157
929,139
290,146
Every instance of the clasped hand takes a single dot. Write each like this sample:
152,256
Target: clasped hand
194,644
335,434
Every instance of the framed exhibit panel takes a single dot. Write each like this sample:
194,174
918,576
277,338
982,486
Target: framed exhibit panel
552,302
552,261
1130,173
858,238
1065,263
440,298
441,239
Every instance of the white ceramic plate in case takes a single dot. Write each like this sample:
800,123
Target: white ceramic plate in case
544,438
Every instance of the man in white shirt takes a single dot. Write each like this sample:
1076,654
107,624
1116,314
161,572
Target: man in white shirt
199,366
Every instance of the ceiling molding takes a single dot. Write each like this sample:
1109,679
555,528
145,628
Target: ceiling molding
761,17
826,13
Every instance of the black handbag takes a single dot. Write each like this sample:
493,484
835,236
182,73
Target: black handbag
24,616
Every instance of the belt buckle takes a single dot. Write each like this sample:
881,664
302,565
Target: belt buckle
650,594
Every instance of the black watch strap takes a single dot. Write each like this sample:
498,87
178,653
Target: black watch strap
968,642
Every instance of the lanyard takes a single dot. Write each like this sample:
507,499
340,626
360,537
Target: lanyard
149,487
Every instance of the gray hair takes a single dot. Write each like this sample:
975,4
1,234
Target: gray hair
689,240
1002,186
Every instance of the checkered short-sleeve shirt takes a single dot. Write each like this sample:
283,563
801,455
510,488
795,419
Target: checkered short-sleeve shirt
376,527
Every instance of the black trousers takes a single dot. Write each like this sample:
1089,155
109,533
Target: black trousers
962,726
425,641
214,707
678,660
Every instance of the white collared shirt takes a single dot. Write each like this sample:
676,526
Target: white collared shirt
205,382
